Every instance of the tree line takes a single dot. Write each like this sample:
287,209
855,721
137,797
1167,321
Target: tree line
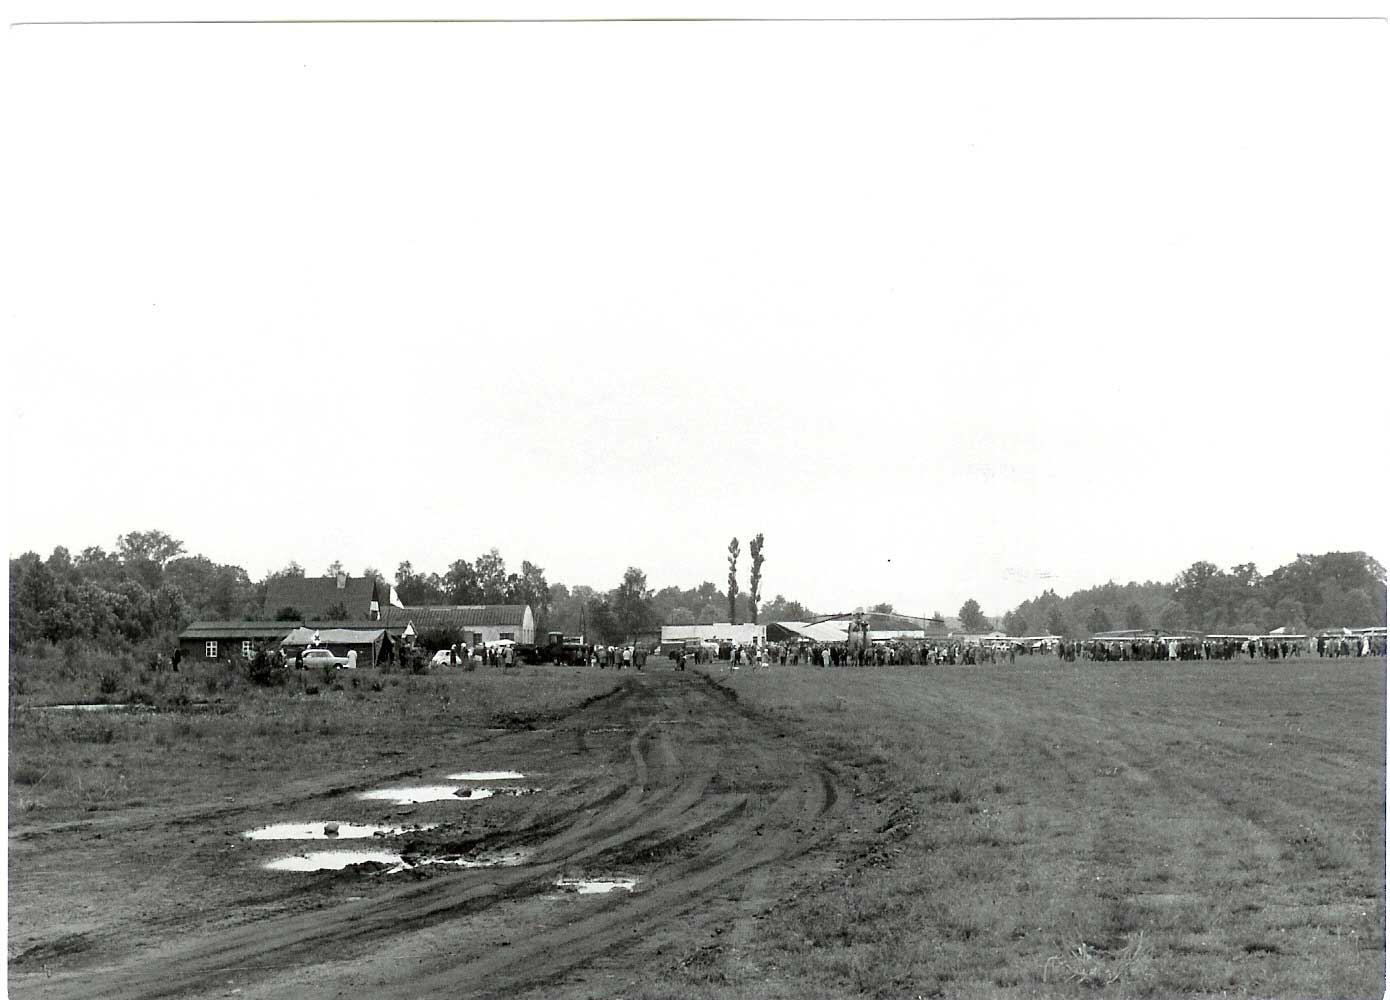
1312,592
148,587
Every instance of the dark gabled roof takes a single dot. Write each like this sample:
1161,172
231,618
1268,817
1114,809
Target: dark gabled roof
237,630
312,596
469,615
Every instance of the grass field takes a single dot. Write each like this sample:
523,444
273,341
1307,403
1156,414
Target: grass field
1052,829
206,728
1122,829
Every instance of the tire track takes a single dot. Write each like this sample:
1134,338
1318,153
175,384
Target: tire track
698,809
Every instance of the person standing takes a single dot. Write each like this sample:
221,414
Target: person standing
176,657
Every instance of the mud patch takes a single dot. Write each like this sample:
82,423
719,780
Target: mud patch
594,886
328,831
56,948
414,794
465,860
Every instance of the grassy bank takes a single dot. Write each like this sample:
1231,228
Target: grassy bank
1086,829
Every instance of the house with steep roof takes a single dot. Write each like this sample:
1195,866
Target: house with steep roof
314,597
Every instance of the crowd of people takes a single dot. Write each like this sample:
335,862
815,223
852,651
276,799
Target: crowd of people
931,652
965,652
482,655
617,657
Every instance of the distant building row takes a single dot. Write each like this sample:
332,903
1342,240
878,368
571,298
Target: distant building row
350,615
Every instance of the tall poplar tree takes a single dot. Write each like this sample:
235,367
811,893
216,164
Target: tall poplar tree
733,581
755,578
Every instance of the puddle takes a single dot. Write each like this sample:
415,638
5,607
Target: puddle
87,708
425,793
486,776
588,887
325,861
328,831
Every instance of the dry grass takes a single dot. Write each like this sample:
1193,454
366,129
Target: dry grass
206,728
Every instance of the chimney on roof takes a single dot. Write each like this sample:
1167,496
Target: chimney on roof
342,581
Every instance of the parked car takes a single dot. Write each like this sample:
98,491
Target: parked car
441,658
323,658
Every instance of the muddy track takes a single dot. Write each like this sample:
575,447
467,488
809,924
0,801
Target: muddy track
696,798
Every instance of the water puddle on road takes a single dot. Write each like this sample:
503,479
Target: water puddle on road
324,861
328,831
486,776
414,794
589,887
89,708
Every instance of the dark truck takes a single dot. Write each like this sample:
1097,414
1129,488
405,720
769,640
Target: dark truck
566,650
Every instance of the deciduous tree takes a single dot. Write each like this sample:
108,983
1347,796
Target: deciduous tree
1098,621
532,589
631,602
461,583
148,546
491,571
972,618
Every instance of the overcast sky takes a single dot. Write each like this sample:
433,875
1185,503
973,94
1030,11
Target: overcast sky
946,310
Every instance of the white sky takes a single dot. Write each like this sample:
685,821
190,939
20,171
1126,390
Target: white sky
1012,305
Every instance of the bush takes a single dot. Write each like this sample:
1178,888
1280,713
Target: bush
441,637
74,657
263,671
412,659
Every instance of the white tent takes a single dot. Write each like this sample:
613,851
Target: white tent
345,636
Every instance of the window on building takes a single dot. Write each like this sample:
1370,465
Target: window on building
211,649
247,648
477,638
506,635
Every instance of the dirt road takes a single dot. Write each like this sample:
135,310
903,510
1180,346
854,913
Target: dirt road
717,814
